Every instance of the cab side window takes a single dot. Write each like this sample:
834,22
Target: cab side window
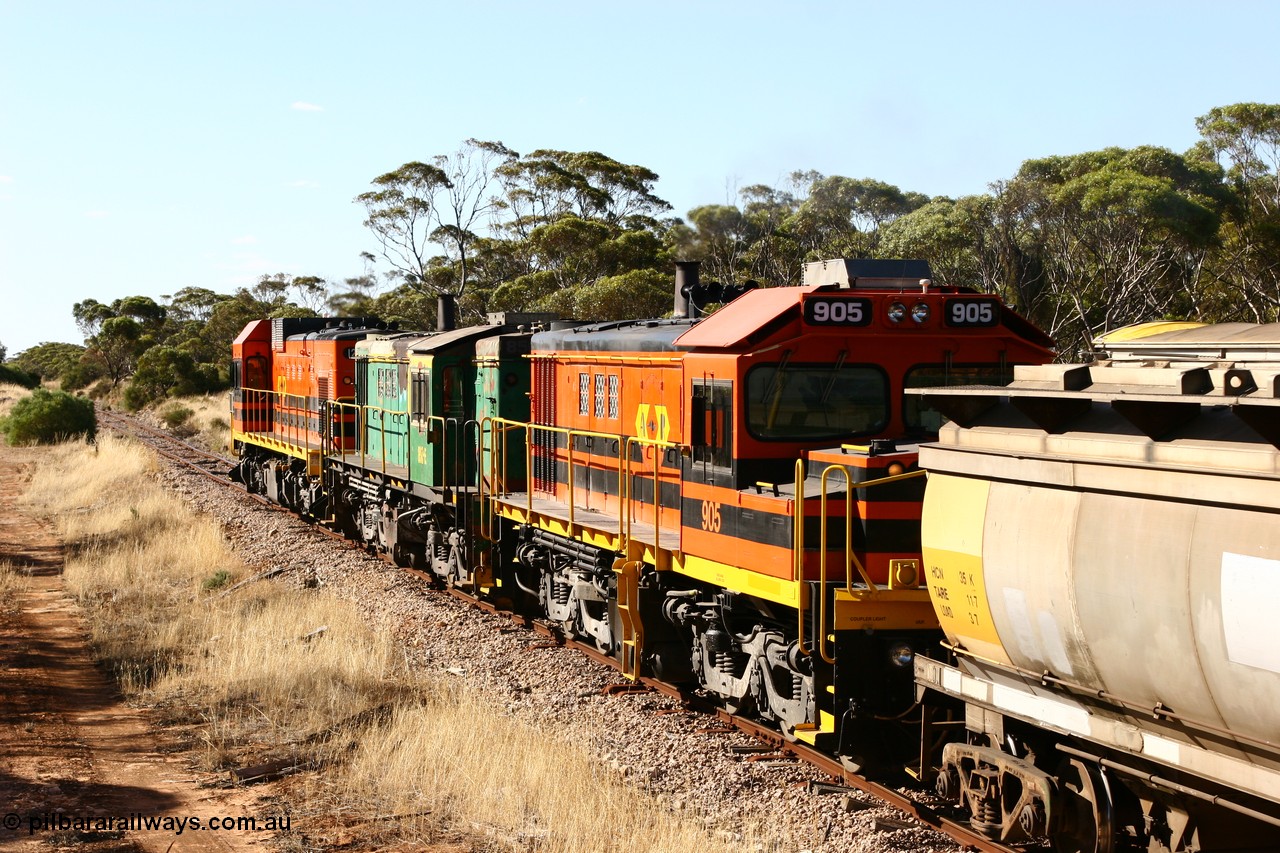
712,437
420,392
255,373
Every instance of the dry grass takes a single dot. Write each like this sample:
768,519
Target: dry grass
10,394
10,584
252,673
525,787
209,423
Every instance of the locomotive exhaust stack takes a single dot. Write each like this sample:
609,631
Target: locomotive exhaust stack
446,312
692,297
686,283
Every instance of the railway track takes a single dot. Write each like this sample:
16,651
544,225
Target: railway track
213,466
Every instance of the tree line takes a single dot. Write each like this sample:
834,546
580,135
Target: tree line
1080,244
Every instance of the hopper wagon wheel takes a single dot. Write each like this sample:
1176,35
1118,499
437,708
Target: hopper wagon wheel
1086,823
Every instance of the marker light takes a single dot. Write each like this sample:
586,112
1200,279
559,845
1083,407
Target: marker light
920,312
896,312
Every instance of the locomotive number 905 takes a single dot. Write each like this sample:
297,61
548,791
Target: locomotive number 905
837,312
972,312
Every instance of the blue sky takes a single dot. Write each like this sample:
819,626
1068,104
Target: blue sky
150,146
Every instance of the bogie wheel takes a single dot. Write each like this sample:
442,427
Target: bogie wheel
1086,823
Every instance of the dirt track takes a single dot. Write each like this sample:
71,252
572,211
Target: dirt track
70,748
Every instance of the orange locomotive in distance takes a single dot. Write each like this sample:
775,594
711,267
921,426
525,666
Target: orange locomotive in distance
734,499
283,372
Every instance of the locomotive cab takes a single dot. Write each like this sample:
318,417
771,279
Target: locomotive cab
802,465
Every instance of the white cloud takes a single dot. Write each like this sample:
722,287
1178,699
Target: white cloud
96,214
6,179
246,240
304,184
303,106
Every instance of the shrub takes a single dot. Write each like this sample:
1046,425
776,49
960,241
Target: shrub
217,580
14,376
175,416
137,397
100,389
165,371
82,375
47,417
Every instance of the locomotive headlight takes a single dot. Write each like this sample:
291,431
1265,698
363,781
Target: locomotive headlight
901,655
896,312
920,312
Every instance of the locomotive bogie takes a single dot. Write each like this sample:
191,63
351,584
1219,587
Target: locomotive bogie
745,651
574,587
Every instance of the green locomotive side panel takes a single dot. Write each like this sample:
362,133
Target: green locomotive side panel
503,377
382,391
442,426
385,419
418,405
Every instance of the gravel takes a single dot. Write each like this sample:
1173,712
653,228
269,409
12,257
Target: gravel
647,737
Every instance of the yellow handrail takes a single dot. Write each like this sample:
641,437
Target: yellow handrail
293,431
570,434
624,469
797,549
341,406
851,559
625,494
396,415
492,474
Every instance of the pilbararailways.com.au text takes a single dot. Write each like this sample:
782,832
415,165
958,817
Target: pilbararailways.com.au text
41,822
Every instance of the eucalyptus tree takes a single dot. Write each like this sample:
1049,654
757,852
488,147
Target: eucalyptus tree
547,185
439,204
718,235
356,298
842,217
193,303
116,334
1245,140
978,241
1124,234
570,221
50,359
774,256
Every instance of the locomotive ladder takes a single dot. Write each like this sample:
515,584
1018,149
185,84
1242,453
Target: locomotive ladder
628,572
